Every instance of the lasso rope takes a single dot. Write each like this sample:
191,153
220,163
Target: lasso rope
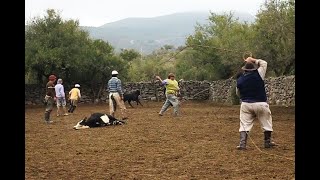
249,54
291,159
192,46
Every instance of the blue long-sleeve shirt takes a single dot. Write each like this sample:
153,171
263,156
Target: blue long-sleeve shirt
114,85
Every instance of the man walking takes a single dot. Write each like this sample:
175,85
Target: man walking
116,93
74,96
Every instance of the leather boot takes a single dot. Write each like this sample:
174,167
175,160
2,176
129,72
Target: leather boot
243,140
47,116
267,140
73,108
70,108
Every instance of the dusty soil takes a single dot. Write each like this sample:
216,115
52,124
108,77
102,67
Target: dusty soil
200,144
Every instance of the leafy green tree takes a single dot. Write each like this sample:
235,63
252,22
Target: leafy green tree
53,45
217,47
62,48
96,69
129,54
275,35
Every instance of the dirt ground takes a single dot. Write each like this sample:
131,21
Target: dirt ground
200,144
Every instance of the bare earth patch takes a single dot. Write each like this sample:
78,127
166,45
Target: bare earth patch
200,144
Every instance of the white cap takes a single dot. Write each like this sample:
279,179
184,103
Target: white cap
77,85
114,72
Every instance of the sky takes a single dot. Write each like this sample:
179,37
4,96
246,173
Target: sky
99,12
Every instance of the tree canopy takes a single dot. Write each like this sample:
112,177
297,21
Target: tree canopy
214,51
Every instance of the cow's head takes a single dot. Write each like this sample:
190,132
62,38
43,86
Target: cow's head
83,121
81,124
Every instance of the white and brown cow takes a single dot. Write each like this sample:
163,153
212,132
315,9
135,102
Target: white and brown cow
98,120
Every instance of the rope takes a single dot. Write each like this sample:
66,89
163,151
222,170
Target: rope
291,159
222,49
214,113
261,150
244,53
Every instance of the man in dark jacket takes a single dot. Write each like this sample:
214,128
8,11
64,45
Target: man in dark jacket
49,98
252,93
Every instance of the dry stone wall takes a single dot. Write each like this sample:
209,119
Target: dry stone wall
280,91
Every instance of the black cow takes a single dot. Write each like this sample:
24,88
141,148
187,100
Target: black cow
134,96
97,120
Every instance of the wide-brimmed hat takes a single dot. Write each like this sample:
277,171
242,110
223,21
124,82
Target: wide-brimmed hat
249,66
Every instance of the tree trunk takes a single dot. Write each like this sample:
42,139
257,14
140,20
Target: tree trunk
102,86
93,91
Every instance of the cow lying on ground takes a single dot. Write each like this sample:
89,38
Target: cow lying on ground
98,120
134,96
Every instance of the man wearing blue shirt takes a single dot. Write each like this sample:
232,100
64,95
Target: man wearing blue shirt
116,93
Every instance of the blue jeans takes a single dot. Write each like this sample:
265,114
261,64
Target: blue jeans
171,99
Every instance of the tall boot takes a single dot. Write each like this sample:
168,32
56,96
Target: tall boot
243,140
70,108
47,116
267,140
73,108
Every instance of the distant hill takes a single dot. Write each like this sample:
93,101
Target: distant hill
149,34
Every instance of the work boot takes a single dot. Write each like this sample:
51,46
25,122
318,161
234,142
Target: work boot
70,108
47,117
267,140
73,108
243,140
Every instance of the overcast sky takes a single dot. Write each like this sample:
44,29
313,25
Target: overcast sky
99,12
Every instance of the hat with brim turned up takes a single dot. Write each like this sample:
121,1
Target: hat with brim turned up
249,66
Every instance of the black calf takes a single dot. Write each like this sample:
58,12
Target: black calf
134,96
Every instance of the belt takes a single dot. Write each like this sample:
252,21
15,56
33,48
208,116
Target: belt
251,101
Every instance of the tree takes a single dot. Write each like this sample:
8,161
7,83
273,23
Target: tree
53,45
275,35
96,68
129,54
217,47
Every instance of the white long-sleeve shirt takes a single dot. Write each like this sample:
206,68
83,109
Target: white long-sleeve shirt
59,91
261,70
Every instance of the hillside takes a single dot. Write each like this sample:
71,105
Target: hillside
148,34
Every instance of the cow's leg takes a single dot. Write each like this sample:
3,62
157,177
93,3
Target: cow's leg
138,101
129,101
